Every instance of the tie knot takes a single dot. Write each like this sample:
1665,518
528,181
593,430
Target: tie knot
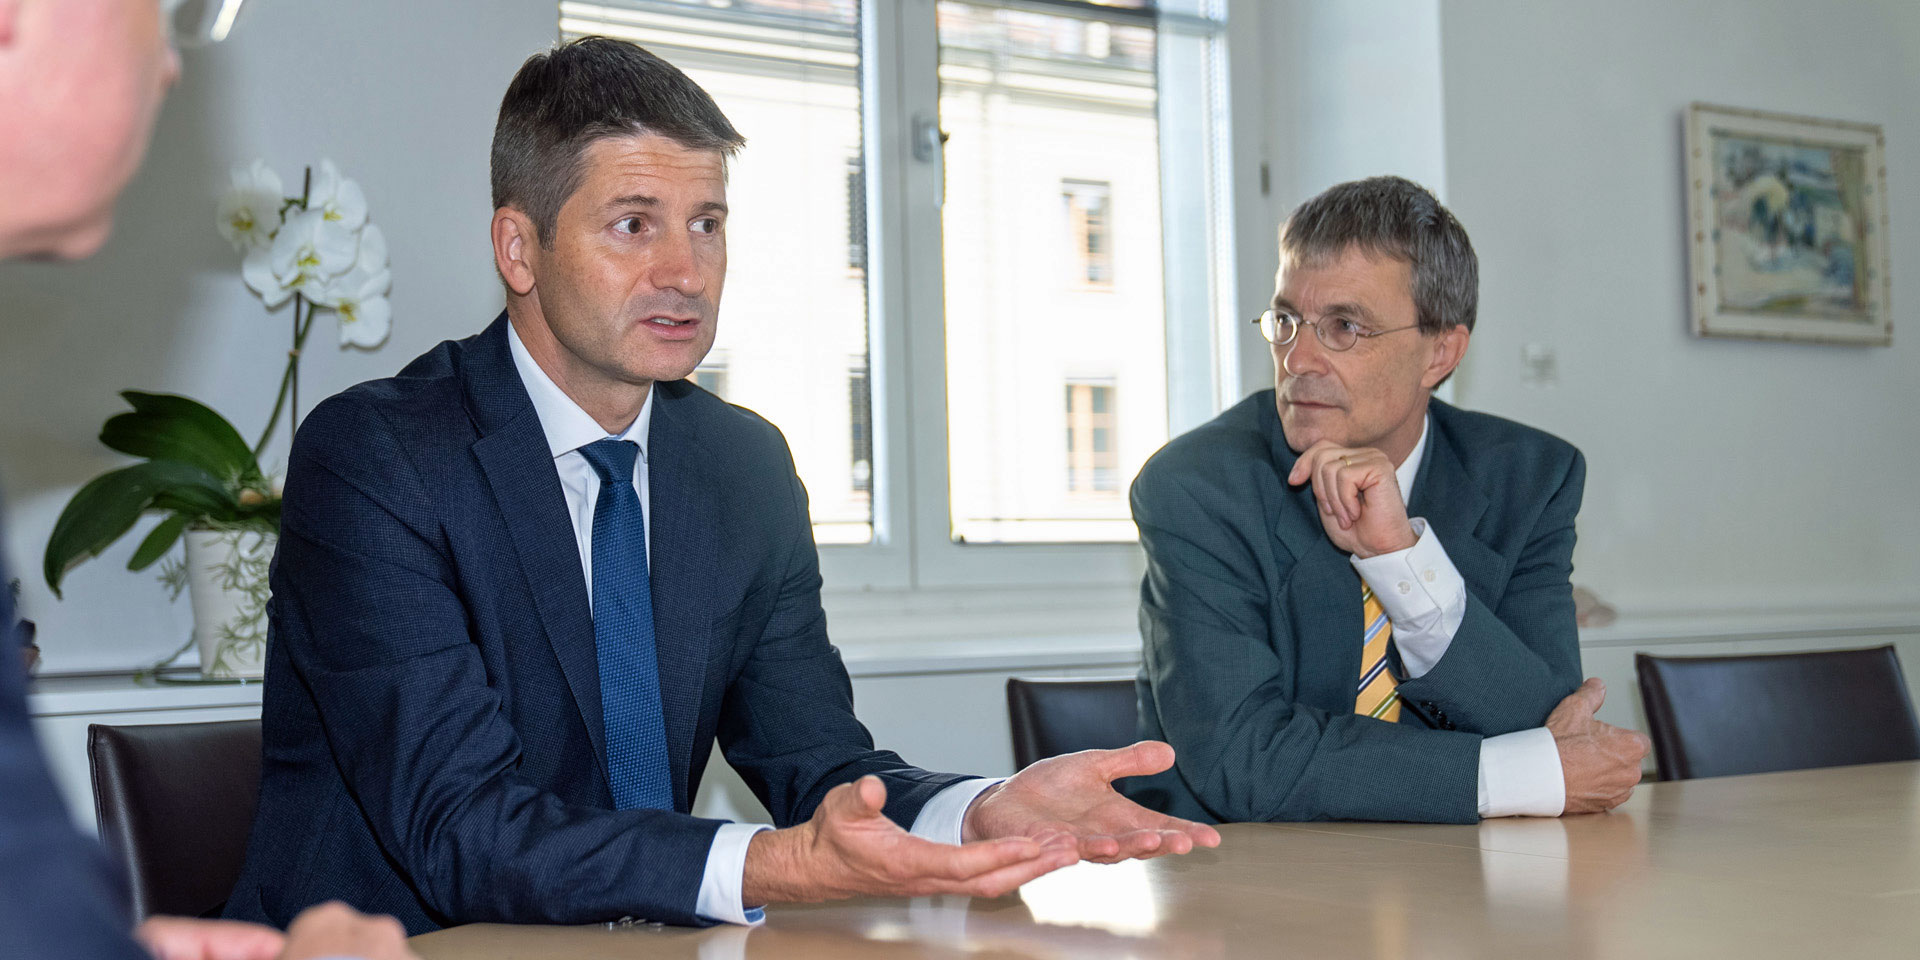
612,459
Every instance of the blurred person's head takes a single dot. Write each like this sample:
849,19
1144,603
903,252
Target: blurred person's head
80,86
1374,302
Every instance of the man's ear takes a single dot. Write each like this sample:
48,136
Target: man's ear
9,16
1448,349
514,243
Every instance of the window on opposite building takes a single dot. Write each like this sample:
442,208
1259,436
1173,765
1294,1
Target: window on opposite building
1087,207
1093,459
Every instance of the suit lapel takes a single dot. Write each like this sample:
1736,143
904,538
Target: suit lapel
685,505
518,464
1444,493
1322,587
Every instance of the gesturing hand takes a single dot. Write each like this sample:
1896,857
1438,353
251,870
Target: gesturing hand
1361,506
185,938
849,848
1073,794
1601,762
328,930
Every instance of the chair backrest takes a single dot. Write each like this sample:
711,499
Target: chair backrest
1052,717
175,802
1720,716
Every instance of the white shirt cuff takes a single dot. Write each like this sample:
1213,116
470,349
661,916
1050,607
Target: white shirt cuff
1424,596
1520,775
943,816
726,872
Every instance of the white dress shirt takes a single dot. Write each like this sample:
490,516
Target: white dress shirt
568,428
1425,598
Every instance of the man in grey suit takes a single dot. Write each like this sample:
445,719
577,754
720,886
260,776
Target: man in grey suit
1357,602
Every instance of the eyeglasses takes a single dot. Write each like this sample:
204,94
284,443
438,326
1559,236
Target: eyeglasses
1336,333
199,23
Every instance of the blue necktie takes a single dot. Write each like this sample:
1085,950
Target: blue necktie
623,635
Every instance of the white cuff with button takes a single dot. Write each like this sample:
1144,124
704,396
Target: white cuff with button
1423,594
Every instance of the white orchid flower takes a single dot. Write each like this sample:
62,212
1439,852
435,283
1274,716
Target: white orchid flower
359,295
310,251
365,312
257,271
249,213
339,198
373,250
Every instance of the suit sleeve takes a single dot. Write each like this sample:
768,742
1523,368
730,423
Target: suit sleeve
1222,691
58,895
1512,662
788,725
364,600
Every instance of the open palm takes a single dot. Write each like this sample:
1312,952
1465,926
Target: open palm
1074,794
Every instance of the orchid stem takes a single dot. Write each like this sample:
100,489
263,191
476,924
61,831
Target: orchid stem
289,380
302,325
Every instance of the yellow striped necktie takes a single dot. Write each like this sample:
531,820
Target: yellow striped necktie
1377,698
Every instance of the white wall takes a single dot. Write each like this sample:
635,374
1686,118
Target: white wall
1352,90
402,96
1722,474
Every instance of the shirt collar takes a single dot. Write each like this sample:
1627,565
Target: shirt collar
568,428
1408,469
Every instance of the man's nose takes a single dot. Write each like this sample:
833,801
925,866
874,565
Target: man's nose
1306,355
676,268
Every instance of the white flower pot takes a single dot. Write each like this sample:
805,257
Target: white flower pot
227,583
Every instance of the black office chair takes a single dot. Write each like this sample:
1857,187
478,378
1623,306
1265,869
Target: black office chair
1721,716
175,802
1052,717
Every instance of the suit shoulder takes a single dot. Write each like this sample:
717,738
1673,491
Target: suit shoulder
1492,444
421,403
719,420
1231,452
739,442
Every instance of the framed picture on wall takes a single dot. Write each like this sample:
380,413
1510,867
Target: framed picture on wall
1788,227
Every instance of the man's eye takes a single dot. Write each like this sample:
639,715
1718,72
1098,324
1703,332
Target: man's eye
1343,325
708,225
628,225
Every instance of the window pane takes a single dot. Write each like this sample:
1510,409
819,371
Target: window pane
792,342
1053,269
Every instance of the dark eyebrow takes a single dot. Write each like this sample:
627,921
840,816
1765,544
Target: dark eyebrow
1280,305
642,200
1352,309
633,200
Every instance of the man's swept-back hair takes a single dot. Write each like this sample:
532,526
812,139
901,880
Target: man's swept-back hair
1394,217
565,99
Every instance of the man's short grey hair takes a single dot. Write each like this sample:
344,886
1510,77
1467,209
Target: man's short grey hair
1393,217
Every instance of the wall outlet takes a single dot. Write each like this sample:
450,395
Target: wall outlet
1539,365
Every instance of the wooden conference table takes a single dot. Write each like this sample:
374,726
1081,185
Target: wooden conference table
1802,864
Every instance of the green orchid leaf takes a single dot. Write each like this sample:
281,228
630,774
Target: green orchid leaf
158,542
168,427
106,508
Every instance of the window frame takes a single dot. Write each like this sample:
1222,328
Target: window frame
912,551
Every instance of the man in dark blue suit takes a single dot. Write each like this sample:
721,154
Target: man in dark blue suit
81,82
1357,602
524,586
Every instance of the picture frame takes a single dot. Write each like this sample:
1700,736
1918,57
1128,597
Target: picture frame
1787,227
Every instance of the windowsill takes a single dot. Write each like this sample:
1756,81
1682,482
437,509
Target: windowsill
121,693
926,632
1695,626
